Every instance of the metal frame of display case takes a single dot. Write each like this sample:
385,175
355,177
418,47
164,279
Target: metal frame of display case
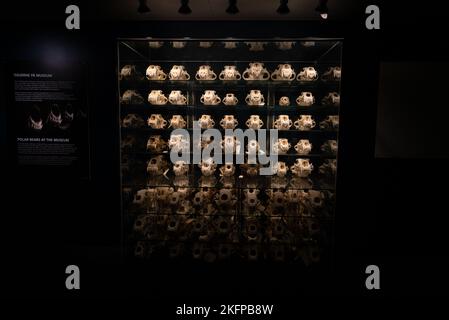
307,220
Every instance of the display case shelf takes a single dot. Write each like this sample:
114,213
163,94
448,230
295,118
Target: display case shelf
229,84
328,110
193,181
149,154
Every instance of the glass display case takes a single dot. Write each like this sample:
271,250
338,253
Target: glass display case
192,188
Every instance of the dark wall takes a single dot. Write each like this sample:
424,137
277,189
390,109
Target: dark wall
413,110
408,189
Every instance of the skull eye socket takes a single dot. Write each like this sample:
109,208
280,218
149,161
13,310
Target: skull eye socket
153,161
138,197
252,200
316,200
224,196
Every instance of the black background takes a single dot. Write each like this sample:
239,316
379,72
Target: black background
390,211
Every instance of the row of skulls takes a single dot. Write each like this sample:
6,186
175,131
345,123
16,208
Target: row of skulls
307,253
301,168
237,181
227,229
184,200
157,144
255,71
205,121
210,201
210,97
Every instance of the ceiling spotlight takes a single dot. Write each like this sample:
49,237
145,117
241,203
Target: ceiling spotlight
283,8
232,9
322,9
185,9
143,8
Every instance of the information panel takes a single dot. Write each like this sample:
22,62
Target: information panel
49,103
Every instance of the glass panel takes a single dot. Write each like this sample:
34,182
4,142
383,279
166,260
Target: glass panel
220,211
